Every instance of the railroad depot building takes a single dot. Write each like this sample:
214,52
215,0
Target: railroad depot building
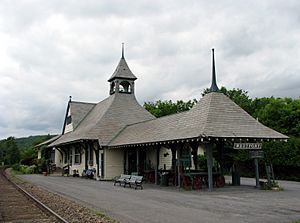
117,135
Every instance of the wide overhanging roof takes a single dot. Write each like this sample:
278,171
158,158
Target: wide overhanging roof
215,116
47,142
105,120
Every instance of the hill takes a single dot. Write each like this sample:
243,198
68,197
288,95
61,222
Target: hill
29,141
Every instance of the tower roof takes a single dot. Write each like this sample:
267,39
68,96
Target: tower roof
214,86
122,71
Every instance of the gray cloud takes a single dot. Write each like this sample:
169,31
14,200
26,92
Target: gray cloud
53,49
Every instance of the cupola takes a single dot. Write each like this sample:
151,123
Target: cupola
122,80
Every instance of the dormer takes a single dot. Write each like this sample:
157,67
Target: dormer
122,80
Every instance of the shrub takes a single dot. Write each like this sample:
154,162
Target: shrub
16,167
27,169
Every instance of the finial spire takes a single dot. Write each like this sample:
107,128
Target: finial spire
213,87
122,50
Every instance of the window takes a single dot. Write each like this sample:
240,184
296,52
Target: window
125,87
65,157
71,157
77,156
69,120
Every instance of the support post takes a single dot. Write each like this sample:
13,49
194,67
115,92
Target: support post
222,157
125,168
137,160
85,156
178,166
173,150
256,173
97,151
209,158
157,164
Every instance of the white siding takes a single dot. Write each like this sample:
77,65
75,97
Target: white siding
164,159
58,159
68,128
77,166
201,150
113,163
39,153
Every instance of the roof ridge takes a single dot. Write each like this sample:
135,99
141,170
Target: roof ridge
129,126
82,102
92,110
208,111
158,118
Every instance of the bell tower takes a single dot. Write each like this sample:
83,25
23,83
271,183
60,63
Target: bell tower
122,80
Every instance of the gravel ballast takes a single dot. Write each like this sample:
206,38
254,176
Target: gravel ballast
69,210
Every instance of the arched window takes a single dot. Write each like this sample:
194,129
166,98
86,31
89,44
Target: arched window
125,87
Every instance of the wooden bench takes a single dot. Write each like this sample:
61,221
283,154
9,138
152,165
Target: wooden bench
135,181
121,179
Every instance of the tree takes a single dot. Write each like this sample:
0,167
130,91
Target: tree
12,151
280,114
163,108
2,152
28,156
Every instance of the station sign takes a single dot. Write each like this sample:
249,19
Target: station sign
247,145
256,154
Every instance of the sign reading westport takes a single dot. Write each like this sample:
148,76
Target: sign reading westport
247,145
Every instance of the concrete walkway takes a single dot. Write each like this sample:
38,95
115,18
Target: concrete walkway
166,204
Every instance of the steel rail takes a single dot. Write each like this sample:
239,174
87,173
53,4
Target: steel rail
39,204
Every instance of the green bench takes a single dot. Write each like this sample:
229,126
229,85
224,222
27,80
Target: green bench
136,181
121,179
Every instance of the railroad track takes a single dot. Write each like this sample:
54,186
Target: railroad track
17,205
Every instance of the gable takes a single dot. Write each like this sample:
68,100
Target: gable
76,111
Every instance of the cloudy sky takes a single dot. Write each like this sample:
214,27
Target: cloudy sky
52,49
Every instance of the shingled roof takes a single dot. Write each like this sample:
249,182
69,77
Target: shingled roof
106,119
215,116
120,121
79,110
122,71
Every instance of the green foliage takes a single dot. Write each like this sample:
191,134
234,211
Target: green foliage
42,165
283,153
23,169
163,108
202,162
28,156
16,167
12,151
31,141
280,114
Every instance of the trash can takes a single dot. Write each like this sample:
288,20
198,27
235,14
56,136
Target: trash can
236,179
164,181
